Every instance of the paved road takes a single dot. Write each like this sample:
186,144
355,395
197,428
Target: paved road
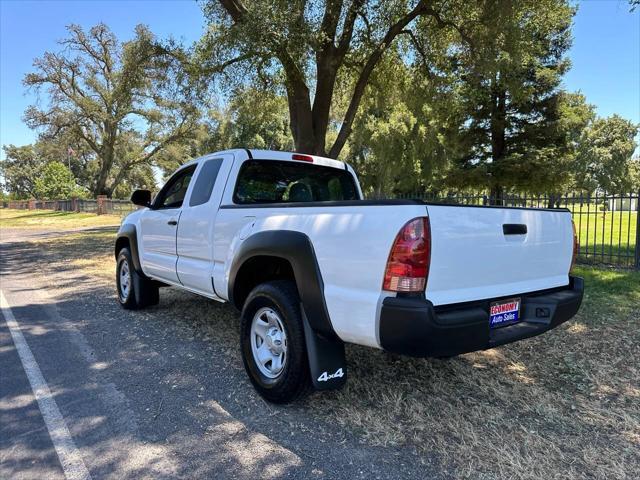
153,394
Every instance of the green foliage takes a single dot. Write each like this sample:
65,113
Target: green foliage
510,103
396,145
253,117
550,168
322,54
419,95
604,157
140,176
258,119
56,182
20,169
634,174
119,103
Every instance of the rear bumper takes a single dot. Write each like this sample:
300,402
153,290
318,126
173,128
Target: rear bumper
413,326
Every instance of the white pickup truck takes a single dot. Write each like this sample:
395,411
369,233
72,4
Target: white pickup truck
288,240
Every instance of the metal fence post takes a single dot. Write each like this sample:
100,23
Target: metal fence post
637,229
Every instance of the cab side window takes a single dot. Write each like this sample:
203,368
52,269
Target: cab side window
174,191
204,183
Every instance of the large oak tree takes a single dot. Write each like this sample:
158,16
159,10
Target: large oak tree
318,50
124,101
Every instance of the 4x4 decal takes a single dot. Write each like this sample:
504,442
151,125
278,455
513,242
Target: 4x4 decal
326,377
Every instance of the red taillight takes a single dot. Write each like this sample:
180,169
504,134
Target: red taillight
302,158
576,246
408,264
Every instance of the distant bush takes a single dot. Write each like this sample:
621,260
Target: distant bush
57,182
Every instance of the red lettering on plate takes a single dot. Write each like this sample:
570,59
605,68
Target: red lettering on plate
504,307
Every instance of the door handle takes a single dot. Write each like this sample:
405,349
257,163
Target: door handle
514,229
172,222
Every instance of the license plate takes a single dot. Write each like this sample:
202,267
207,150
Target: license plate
504,312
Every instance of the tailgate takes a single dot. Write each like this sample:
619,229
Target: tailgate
480,253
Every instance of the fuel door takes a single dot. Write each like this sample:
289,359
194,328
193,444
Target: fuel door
249,222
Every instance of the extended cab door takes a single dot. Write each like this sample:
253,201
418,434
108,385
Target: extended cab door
197,221
159,224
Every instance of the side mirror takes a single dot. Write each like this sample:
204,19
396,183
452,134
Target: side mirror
141,197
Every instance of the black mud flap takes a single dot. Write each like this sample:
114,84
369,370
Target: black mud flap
326,359
138,287
144,289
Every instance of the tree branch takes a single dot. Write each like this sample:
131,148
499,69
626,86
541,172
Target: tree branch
363,79
349,22
420,49
92,143
329,24
447,23
221,67
235,9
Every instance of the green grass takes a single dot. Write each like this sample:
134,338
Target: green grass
50,218
610,290
607,236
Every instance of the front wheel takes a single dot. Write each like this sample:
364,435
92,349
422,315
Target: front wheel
135,291
272,342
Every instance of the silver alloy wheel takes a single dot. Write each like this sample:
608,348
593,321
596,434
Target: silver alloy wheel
125,279
268,342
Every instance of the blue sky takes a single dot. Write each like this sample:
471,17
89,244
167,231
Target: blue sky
605,53
29,28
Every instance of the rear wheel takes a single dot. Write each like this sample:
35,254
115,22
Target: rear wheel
135,290
272,342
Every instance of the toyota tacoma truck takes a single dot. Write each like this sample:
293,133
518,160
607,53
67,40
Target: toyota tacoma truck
289,240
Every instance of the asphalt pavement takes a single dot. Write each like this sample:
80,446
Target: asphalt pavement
153,394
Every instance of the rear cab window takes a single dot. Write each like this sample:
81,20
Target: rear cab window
274,181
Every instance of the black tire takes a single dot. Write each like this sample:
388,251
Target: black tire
293,381
141,291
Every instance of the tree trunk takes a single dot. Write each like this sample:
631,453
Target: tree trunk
107,156
496,195
299,102
498,144
101,183
300,119
310,135
325,85
309,124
